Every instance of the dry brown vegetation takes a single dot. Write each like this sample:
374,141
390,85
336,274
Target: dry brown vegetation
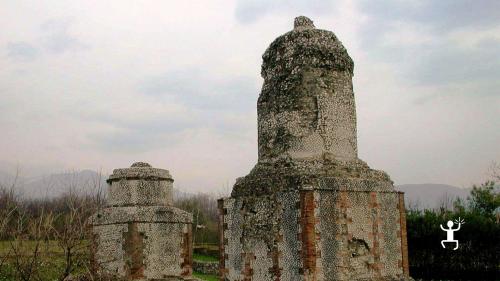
45,239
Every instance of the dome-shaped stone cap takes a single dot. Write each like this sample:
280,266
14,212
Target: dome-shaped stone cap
305,46
140,170
141,164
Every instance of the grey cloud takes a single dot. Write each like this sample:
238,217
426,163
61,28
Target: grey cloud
441,16
22,51
197,90
205,97
139,135
449,64
151,134
57,38
133,141
248,11
438,61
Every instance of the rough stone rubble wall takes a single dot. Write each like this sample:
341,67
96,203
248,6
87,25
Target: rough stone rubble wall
140,192
324,120
306,106
313,234
140,250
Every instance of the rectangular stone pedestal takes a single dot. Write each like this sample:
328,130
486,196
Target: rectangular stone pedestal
314,233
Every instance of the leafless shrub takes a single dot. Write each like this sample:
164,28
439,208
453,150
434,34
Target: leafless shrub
445,203
494,171
27,244
29,226
204,210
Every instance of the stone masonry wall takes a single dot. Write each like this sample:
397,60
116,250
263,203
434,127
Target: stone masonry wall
313,234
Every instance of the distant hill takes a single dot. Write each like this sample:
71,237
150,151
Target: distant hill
420,195
85,181
430,195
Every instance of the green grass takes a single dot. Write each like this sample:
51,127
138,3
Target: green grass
49,268
204,258
50,263
48,247
205,276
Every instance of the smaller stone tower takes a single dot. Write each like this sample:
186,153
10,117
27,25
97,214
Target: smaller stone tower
139,235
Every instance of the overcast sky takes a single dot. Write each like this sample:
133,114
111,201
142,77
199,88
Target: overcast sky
102,84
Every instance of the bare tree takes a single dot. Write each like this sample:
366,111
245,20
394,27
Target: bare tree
28,238
70,234
445,203
8,207
494,171
32,227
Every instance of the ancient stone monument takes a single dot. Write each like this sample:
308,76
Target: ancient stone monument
139,235
310,209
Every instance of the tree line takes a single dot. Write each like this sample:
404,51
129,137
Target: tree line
477,257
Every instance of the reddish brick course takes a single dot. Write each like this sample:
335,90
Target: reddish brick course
404,239
187,253
133,247
222,240
375,250
94,264
276,269
308,234
247,269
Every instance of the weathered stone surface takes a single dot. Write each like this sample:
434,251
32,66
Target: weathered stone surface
326,173
310,209
306,106
139,235
140,185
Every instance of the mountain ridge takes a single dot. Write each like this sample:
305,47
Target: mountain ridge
427,195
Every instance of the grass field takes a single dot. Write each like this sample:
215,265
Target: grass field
50,268
205,276
204,258
50,247
52,261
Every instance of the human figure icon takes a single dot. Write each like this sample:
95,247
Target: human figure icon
450,233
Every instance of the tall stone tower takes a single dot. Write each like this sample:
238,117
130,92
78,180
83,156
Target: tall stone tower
310,209
140,235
